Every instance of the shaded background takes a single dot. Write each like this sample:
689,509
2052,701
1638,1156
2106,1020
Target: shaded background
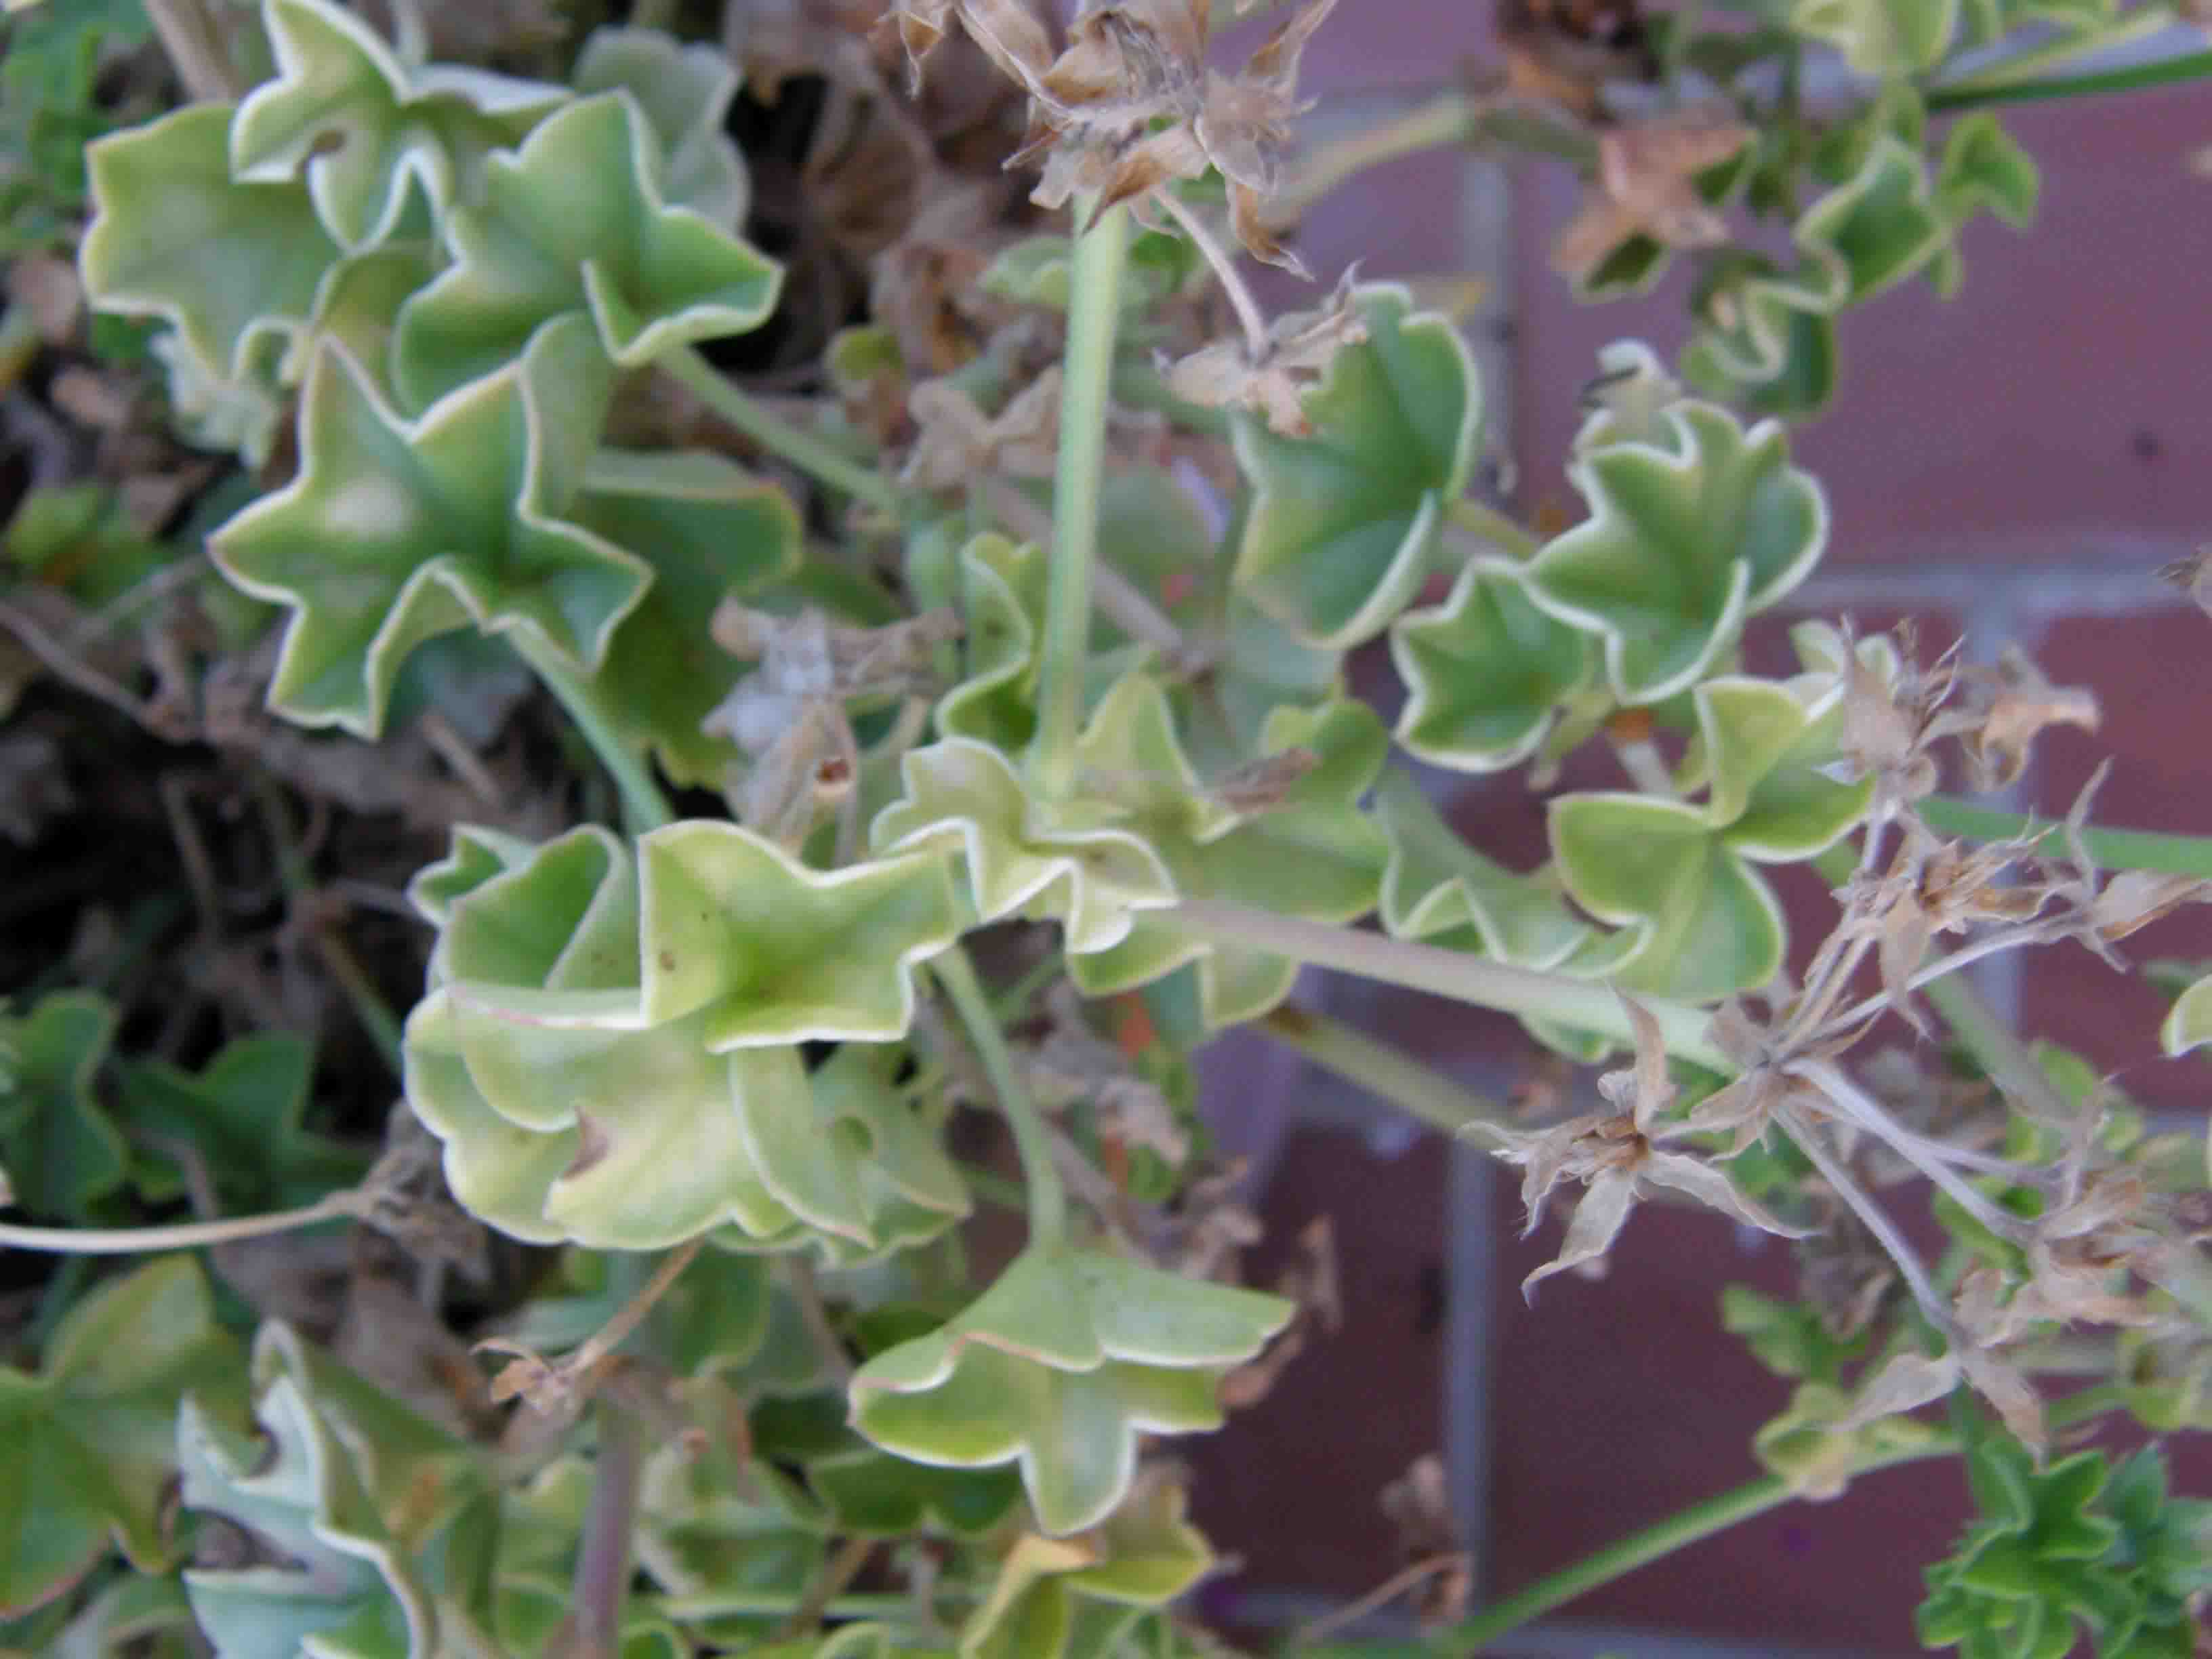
2010,465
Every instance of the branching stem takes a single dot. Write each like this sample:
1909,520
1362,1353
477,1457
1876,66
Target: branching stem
1249,318
1841,1181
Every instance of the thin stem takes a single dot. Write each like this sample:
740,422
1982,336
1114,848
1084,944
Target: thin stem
1093,310
806,1292
2187,66
1867,1007
1382,1595
2004,1060
2016,68
1248,315
1587,1004
628,1317
183,1236
1702,1521
603,1562
193,43
1419,1090
1119,600
1806,1135
1857,1106
1048,1197
2113,850
643,803
1456,118
1499,528
805,450
836,1573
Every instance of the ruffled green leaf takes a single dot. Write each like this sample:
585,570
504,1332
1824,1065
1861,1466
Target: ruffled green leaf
773,952
2189,1022
685,92
363,126
358,306
1880,37
576,224
964,795
1985,166
174,236
385,1524
1769,337
242,1113
1037,269
709,530
1681,874
1687,536
1058,1367
864,1489
1001,586
397,530
1313,854
91,1437
1485,671
570,1108
62,1150
1437,887
1345,523
1048,1594
1805,1447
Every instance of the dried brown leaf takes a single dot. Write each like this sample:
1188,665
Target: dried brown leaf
1646,183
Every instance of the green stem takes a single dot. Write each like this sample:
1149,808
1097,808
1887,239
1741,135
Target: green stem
1586,1004
803,450
1416,1089
1086,372
2188,66
1048,1197
2113,850
2024,66
1702,1521
643,803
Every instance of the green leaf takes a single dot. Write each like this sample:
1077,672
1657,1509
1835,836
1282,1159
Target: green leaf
1770,336
62,1150
773,952
1787,1338
1805,1449
396,531
1036,272
709,530
1001,586
864,1489
174,236
2189,1022
1344,524
1313,854
386,1525
1058,1366
575,223
1688,535
242,1114
1485,671
685,92
1681,872
526,1057
1985,166
1880,37
1436,887
358,306
91,1438
363,126
964,795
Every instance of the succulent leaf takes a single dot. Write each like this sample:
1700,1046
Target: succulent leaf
397,530
1485,671
62,1149
575,223
685,92
1344,524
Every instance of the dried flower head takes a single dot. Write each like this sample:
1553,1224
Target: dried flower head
1647,184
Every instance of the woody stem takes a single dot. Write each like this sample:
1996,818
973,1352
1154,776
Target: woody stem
1093,309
